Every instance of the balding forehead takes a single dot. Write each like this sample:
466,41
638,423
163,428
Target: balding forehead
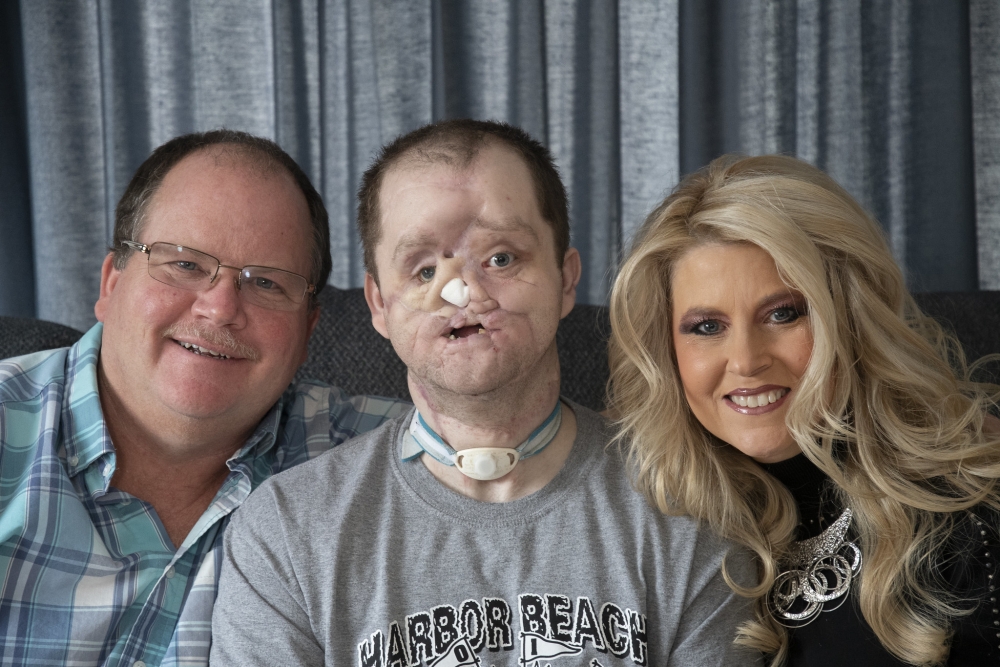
238,156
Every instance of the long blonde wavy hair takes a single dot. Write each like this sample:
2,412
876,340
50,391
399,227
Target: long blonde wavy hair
885,406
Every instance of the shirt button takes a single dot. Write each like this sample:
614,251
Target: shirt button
126,502
73,460
170,572
138,663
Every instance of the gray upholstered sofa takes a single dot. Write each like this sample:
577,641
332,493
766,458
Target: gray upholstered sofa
346,351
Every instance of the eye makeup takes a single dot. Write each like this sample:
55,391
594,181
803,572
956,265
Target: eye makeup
696,317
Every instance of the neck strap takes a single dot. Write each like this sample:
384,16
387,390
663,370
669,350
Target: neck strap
424,439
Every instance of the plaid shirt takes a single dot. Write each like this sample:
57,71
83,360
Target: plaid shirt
89,575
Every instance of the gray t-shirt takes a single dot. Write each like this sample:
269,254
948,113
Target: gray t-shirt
359,558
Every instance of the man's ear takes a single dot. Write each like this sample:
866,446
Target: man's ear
109,278
571,270
313,320
375,304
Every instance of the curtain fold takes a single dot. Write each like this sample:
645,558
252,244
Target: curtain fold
67,159
17,265
897,99
581,75
649,123
876,93
984,34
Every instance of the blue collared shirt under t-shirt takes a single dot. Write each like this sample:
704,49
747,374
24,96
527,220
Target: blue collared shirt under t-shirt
89,575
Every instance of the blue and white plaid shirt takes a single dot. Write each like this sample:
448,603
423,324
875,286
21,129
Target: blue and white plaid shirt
89,575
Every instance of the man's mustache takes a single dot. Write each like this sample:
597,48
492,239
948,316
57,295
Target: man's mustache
222,339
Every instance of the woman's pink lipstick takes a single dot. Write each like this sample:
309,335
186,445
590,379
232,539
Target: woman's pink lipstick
757,391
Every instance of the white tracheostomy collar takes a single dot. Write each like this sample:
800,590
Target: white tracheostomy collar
482,463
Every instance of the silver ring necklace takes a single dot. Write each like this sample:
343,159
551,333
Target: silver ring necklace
817,571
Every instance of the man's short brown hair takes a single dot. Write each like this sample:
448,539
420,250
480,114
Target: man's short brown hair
246,149
457,143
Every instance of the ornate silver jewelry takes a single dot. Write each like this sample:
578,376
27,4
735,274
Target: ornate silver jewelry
818,570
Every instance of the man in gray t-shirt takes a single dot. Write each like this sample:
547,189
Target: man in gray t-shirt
491,525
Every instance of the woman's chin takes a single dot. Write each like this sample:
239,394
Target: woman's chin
768,452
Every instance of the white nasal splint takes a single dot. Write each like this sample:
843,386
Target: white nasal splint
482,463
456,292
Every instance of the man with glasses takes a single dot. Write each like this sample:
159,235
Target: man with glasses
122,457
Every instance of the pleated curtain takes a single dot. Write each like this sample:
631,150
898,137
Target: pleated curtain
897,100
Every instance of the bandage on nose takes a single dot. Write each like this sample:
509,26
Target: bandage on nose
486,463
456,292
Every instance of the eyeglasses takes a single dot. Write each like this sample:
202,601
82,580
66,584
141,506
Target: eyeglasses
190,269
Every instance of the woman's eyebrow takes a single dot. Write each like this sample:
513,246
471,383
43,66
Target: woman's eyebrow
777,297
700,312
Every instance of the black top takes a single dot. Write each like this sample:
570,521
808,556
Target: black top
842,636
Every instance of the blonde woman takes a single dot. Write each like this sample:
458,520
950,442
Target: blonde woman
774,378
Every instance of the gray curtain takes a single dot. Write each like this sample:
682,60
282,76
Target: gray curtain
897,100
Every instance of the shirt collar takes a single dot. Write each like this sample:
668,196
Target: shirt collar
85,435
264,437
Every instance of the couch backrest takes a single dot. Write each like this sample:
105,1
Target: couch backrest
23,335
346,351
